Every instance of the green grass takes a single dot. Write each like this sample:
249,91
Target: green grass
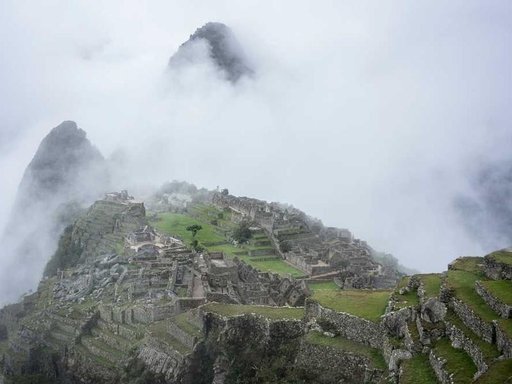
181,291
502,256
176,224
368,304
417,371
373,354
500,289
431,283
408,299
469,264
322,285
457,362
499,372
275,265
463,283
182,321
274,313
402,283
489,350
506,325
158,330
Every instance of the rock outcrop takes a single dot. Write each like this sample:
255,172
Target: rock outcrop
222,47
65,173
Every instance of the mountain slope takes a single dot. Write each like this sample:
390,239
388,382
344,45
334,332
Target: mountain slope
65,173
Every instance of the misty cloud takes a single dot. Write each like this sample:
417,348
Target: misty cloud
368,116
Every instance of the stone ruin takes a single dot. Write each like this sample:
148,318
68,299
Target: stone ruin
305,243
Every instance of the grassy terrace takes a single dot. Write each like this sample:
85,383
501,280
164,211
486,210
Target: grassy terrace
182,321
213,237
368,304
490,352
158,330
273,313
374,355
322,285
504,257
408,299
417,371
462,280
501,289
500,372
431,283
457,362
463,284
403,282
469,264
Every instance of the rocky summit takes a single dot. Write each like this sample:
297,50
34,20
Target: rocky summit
66,172
198,286
223,48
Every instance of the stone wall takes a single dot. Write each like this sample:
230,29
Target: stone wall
182,336
473,321
496,270
336,365
396,322
349,326
503,341
461,341
438,364
499,307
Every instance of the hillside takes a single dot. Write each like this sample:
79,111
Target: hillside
195,286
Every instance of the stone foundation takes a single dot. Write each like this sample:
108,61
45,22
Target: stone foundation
349,326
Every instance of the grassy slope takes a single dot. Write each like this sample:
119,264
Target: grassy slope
490,352
417,371
504,257
322,285
368,304
431,283
458,362
501,289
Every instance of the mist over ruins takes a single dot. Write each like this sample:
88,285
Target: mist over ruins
256,193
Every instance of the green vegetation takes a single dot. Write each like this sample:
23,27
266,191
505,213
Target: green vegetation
457,362
499,372
402,283
463,283
242,233
183,322
373,354
322,285
501,289
368,304
469,264
504,257
489,350
158,330
176,225
194,228
67,254
431,283
273,313
417,371
408,299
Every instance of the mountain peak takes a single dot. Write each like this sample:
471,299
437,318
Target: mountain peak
224,50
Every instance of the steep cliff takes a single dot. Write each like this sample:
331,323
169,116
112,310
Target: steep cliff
65,173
